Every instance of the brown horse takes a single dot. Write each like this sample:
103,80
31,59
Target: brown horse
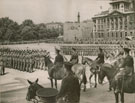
78,70
57,75
128,82
93,69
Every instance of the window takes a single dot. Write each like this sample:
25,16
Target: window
121,34
99,35
125,33
112,34
116,34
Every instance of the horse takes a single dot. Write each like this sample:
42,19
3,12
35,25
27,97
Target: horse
128,83
32,90
57,75
93,69
78,70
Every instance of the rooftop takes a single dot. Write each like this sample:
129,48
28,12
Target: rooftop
118,1
103,13
106,13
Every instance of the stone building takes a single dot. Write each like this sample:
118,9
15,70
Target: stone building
78,31
55,25
117,22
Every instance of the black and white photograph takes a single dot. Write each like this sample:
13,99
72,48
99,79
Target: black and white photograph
67,51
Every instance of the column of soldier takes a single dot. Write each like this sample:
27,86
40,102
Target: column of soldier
23,60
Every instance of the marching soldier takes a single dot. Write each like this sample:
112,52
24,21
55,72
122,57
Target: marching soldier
21,62
31,63
27,62
2,67
24,61
13,60
15,57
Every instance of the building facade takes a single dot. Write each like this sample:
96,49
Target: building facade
78,31
55,26
116,23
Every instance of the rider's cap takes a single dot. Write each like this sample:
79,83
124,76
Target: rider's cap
68,65
126,50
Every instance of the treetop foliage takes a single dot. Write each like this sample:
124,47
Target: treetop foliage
12,31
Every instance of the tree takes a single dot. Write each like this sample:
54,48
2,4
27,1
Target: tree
8,29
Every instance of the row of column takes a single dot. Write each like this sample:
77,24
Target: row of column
111,23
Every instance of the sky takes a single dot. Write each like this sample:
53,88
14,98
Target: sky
43,11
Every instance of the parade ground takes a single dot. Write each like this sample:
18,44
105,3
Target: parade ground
14,85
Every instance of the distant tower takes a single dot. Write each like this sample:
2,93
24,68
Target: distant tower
78,17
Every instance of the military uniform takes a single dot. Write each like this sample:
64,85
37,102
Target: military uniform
74,57
70,89
31,61
2,67
58,63
100,58
125,69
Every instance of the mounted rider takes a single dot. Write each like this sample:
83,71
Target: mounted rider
58,63
100,58
125,69
74,57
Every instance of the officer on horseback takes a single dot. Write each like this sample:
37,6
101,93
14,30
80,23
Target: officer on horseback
125,69
74,57
100,58
70,88
58,63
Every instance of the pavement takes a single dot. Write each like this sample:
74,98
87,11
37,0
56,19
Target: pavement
15,79
13,88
